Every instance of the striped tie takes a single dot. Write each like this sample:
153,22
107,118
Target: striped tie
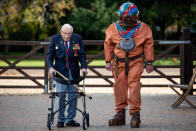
66,55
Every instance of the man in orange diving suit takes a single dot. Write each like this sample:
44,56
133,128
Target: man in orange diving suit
127,39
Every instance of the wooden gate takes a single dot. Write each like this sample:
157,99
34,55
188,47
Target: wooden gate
36,46
185,56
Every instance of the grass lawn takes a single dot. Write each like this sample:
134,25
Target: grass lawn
163,61
38,63
25,63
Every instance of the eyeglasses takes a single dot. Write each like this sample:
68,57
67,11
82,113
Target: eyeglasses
66,33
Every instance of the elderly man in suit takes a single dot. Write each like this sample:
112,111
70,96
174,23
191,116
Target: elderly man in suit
67,50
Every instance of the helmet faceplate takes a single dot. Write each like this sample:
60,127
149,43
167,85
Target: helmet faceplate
128,14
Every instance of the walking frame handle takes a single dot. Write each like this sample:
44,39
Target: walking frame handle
73,84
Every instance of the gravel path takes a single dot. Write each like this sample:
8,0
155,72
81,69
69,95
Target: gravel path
29,113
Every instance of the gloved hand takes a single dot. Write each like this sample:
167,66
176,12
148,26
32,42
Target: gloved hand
108,66
149,68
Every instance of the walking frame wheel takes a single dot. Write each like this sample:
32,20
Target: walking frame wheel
85,121
50,121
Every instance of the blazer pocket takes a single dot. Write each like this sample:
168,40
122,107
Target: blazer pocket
59,53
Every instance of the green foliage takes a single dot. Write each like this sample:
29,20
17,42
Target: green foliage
32,19
38,19
162,16
92,23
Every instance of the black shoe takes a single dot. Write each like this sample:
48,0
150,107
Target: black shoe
73,123
118,118
60,124
135,120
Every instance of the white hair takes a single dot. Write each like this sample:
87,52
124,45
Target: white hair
66,26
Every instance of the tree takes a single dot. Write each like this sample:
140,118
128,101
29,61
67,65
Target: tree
162,14
92,23
32,19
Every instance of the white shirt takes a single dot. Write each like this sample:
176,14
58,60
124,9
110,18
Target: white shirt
67,43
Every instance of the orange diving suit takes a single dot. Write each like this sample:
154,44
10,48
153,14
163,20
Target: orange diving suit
127,67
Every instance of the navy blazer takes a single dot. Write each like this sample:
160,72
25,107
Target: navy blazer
56,52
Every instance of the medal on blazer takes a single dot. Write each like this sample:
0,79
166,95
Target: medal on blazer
76,47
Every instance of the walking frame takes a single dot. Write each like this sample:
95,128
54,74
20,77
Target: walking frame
80,93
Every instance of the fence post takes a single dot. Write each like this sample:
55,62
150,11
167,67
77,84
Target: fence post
186,63
45,69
